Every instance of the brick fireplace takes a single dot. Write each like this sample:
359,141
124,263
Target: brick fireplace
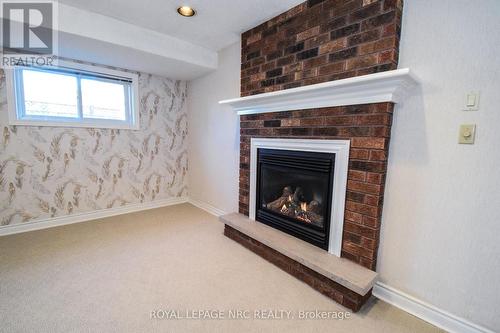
320,41
313,43
368,128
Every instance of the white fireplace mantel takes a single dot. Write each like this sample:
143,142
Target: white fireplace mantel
391,86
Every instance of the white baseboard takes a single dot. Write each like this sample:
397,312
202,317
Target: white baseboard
207,207
87,216
102,213
425,311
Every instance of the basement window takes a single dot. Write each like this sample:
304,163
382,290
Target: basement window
72,95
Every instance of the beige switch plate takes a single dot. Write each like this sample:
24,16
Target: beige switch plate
467,134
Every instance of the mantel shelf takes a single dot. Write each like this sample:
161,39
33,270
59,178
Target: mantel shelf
390,86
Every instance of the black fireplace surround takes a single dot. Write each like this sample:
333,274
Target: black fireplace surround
294,193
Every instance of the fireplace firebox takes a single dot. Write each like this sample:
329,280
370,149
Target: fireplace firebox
294,193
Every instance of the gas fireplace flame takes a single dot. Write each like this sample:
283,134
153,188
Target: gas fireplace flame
295,206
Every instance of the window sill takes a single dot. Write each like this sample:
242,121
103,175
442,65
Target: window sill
35,123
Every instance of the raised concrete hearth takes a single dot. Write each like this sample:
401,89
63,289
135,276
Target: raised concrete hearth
341,279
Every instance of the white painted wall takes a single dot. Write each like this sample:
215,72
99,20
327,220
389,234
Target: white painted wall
214,134
441,220
441,223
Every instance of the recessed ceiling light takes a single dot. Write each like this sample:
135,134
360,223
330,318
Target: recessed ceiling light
186,11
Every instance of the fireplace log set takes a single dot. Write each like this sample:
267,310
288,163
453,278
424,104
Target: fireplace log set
292,204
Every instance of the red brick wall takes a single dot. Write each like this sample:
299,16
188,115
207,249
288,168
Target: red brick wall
368,127
318,41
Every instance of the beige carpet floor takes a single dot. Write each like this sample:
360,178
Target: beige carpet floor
109,275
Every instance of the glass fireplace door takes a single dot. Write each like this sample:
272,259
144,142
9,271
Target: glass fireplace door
294,192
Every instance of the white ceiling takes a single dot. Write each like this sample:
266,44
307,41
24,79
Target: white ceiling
218,23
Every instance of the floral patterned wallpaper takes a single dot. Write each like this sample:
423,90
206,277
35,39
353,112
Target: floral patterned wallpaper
55,171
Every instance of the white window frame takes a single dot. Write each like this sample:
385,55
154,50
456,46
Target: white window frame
16,106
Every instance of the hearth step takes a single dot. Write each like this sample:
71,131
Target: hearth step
342,280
